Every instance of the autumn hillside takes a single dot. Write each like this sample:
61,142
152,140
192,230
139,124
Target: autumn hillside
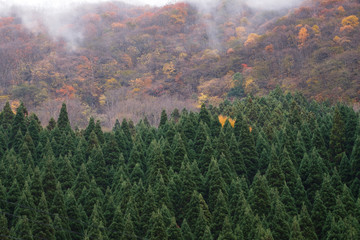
115,60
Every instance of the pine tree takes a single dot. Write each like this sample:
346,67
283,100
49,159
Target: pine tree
179,152
73,213
204,115
318,215
247,145
259,196
163,118
306,225
200,139
156,163
45,230
4,231
295,230
82,180
327,193
157,229
174,231
23,229
186,231
49,180
63,120
201,224
51,125
205,157
220,212
288,201
279,224
355,158
207,234
227,233
214,183
345,169
337,136
60,233
7,116
274,174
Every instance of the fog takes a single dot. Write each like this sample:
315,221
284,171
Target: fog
56,14
262,4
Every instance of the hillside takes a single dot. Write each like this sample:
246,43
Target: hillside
115,60
276,167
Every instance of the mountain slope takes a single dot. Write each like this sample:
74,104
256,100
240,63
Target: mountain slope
108,59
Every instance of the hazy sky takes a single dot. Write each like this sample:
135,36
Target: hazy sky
67,3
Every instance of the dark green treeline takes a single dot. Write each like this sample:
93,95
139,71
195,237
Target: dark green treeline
288,169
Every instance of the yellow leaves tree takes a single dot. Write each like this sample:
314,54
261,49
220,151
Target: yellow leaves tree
222,120
252,40
341,9
349,23
169,69
202,98
211,54
240,32
316,29
303,36
14,105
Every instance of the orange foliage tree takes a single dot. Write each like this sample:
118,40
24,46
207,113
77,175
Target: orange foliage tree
302,37
222,120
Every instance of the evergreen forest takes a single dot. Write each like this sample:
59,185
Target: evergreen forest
272,167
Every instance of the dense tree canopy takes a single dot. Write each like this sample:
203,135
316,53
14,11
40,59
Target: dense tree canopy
190,178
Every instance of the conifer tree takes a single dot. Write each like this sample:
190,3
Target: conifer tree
157,229
247,145
327,193
306,225
318,214
348,200
156,163
279,224
117,226
82,180
7,116
63,120
355,158
60,233
4,231
186,231
45,230
227,233
220,212
73,213
274,174
179,152
23,228
51,125
163,118
214,183
205,157
204,115
295,230
259,196
200,139
49,180
288,201
345,171
337,137
201,224
174,231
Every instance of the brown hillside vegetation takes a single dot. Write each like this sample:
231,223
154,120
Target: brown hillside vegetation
111,58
